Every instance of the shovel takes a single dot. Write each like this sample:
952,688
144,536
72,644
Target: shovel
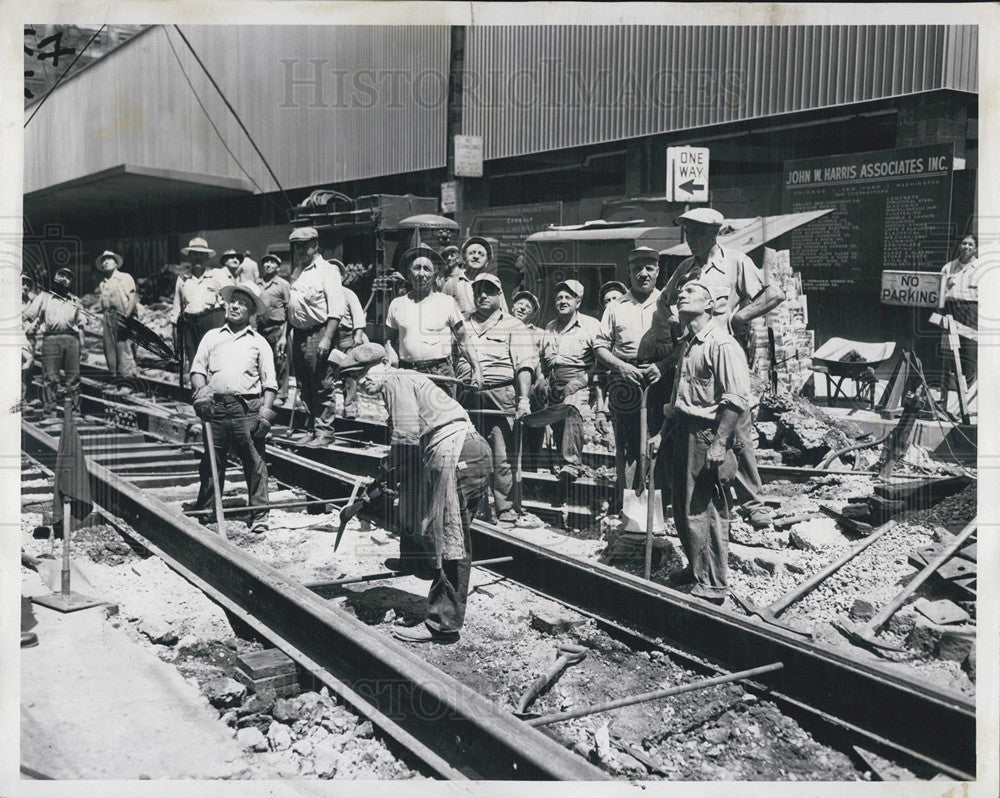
864,635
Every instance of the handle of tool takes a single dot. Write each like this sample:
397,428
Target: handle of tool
180,351
580,712
217,490
781,604
963,388
946,554
646,466
518,444
65,551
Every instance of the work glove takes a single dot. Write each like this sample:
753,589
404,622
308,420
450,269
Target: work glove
203,402
523,407
261,426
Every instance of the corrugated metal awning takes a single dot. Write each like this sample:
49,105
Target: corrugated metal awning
748,234
127,186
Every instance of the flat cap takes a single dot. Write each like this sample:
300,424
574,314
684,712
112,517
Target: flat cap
575,287
614,285
642,255
715,290
486,277
701,216
362,356
271,256
482,242
231,253
303,234
526,295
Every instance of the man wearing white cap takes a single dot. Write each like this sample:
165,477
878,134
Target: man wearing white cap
568,359
508,359
711,389
742,298
118,296
315,307
198,305
424,325
617,347
234,388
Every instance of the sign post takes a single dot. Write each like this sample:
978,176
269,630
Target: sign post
687,174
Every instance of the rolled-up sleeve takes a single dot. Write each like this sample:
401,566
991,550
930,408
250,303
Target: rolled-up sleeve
401,401
265,366
605,338
333,290
751,280
523,353
731,374
357,312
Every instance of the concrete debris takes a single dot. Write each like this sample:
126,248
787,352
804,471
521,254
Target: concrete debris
365,730
863,609
285,711
956,644
602,744
224,692
717,735
551,622
279,736
251,739
258,703
924,637
816,534
159,632
969,666
326,758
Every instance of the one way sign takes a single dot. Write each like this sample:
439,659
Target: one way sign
687,174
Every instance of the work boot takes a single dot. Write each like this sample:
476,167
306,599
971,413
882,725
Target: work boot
323,438
28,639
260,526
423,634
304,439
507,517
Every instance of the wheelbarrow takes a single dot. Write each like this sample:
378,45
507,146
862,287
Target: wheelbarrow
840,359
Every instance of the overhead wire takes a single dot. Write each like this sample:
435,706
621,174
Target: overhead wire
64,74
236,116
208,116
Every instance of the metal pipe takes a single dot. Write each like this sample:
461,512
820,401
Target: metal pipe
243,509
580,712
351,580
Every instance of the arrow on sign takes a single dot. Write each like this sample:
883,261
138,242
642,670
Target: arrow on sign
691,187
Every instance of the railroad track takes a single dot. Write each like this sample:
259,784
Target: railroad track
361,444
863,701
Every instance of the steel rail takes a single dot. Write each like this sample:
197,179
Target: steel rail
930,724
472,734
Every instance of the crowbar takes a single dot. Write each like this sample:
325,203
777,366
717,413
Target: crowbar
769,613
864,635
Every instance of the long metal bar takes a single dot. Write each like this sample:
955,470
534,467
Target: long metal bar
470,732
321,587
655,695
936,725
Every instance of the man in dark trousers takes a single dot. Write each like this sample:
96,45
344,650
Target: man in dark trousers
197,304
234,388
272,321
742,297
316,305
60,329
711,390
118,296
451,476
